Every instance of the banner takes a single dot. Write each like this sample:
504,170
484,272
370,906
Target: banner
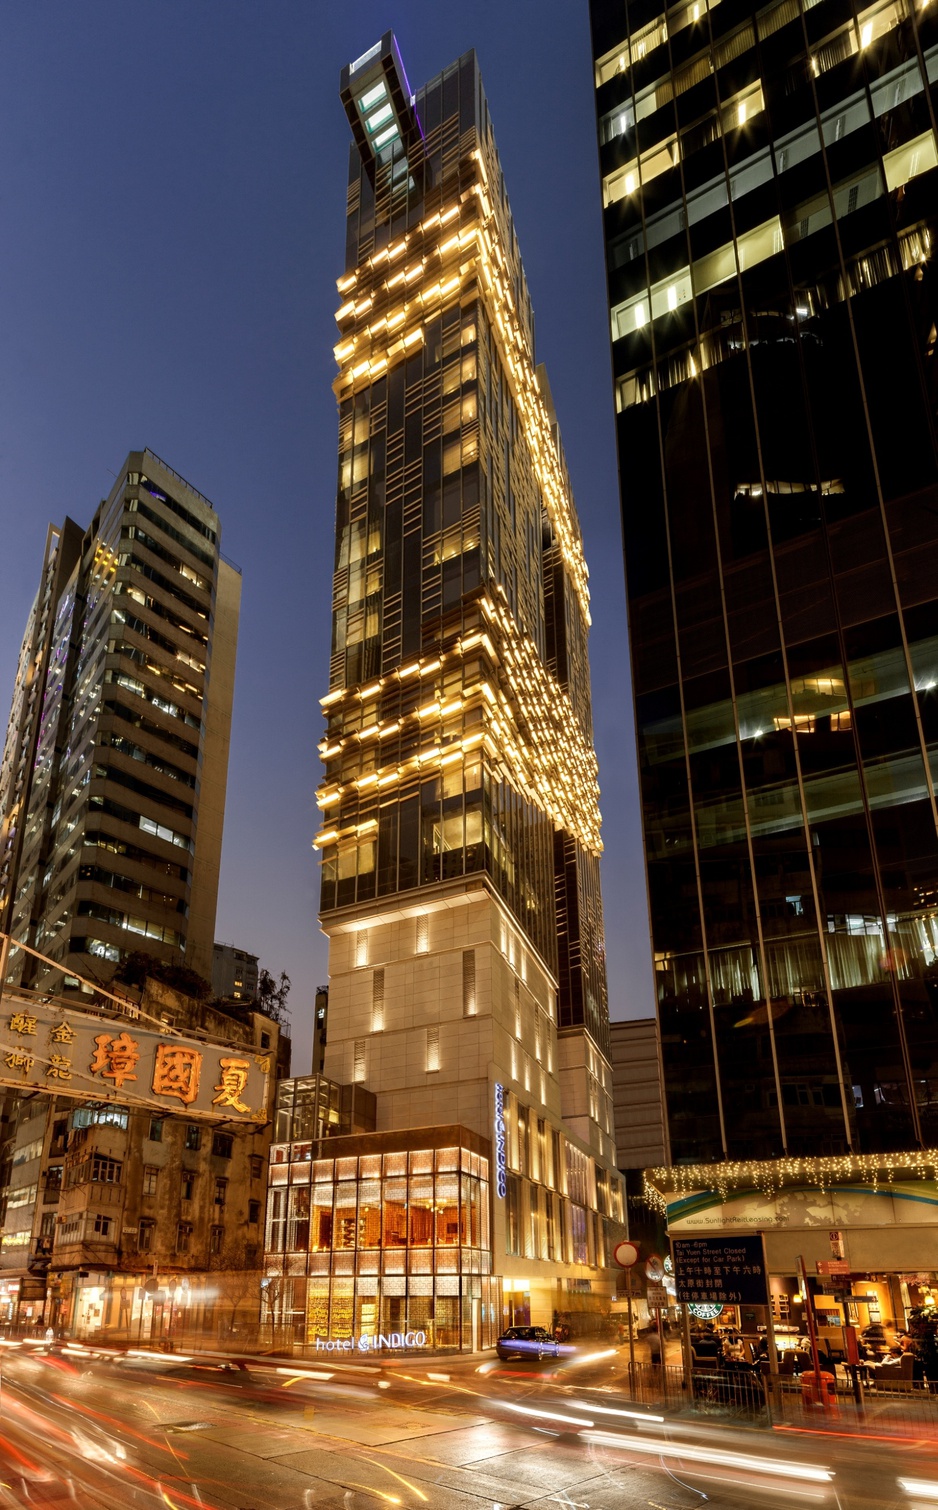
72,1053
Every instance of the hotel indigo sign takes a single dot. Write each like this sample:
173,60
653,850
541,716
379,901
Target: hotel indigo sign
501,1155
370,1342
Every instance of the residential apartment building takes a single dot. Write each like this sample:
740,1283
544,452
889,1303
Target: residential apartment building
116,757
234,973
770,199
461,832
103,1200
112,792
60,558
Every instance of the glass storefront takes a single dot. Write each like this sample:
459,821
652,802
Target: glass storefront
382,1244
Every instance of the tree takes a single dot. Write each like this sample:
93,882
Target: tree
923,1330
236,1276
271,998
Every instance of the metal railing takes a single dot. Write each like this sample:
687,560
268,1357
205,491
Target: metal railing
899,1409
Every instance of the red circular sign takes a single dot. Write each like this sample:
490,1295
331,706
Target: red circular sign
654,1269
625,1254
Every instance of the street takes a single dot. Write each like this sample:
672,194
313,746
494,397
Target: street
140,1431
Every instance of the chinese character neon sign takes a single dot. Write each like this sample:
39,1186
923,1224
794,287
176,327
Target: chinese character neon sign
501,1155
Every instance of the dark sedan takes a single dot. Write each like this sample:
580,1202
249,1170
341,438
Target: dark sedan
527,1342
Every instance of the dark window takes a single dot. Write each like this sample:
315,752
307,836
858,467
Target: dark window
254,1211
265,1040
102,1224
150,1177
216,1240
156,1130
187,1184
145,1235
106,1171
221,1192
221,1145
183,1237
193,1137
257,1166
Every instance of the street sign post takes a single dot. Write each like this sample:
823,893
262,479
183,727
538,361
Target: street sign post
626,1256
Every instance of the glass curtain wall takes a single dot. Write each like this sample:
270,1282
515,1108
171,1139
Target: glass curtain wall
769,184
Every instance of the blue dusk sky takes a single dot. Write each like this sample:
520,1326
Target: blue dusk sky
173,186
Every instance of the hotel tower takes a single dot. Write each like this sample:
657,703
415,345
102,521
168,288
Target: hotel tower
461,834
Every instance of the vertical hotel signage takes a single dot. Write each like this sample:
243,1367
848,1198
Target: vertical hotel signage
501,1157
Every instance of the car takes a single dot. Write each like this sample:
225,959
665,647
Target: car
527,1342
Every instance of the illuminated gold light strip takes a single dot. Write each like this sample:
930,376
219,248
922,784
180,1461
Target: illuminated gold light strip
555,767
518,361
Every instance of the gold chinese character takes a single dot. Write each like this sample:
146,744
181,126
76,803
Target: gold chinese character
63,1032
18,1060
176,1072
23,1022
115,1057
233,1075
60,1068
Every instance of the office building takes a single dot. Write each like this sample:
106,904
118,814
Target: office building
234,973
769,192
637,1094
460,841
116,757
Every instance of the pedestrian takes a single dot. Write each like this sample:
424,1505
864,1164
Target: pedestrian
654,1344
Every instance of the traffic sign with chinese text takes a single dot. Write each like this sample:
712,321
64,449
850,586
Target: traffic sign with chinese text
720,1270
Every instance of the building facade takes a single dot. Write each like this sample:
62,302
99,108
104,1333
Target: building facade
116,757
637,1094
460,842
61,556
769,189
234,973
135,1224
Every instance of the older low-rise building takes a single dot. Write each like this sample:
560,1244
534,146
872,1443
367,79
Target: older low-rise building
125,1223
234,973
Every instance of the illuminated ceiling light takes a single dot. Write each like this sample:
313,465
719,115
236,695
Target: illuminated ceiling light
374,122
373,97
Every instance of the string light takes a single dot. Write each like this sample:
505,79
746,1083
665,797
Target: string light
769,1176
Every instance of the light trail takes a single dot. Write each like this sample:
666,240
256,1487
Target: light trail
543,1415
605,1410
712,1457
923,1489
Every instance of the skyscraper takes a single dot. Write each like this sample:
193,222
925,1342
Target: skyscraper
112,787
460,843
769,191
